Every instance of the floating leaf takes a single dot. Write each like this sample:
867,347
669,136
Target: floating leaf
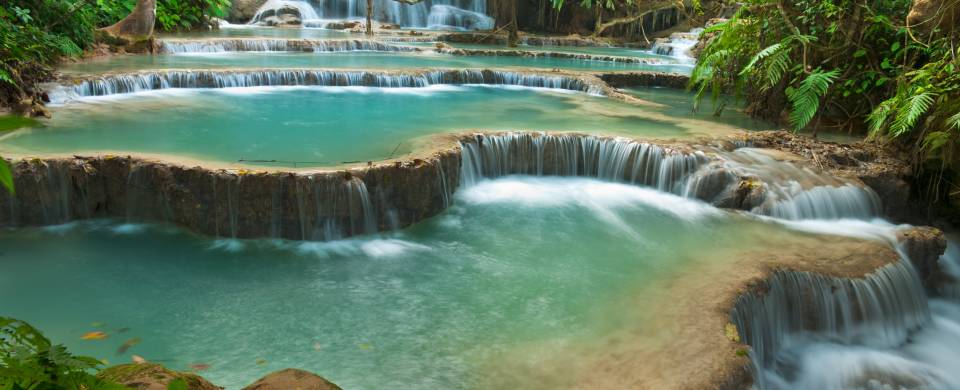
261,362
127,344
138,359
95,335
317,347
199,366
365,346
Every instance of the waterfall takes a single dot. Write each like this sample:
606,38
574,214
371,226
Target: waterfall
305,11
678,45
154,80
614,159
881,309
362,216
825,202
442,14
180,46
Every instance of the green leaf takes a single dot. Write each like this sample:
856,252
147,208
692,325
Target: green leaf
6,176
895,47
805,98
908,114
177,384
859,53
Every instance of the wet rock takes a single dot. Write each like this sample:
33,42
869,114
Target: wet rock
292,379
241,11
151,376
924,246
343,25
645,79
283,20
389,26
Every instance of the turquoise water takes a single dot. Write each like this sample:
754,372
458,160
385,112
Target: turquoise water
679,103
352,60
323,126
518,270
598,50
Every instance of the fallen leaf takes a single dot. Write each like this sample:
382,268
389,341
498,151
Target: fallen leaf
127,344
261,362
137,359
365,346
199,366
96,335
317,347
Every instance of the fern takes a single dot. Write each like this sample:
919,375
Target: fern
954,121
777,67
878,117
805,98
908,114
766,52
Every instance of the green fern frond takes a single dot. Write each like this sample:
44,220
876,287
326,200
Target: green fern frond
878,117
913,108
954,121
805,98
766,52
777,67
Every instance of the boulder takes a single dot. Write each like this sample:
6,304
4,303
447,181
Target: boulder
137,26
923,246
151,376
241,11
292,379
282,20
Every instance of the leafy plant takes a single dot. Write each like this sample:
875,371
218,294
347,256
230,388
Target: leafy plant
28,360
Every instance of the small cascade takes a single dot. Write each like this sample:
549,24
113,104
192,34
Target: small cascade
446,16
180,46
440,14
950,264
363,219
614,159
184,46
793,192
155,80
303,9
880,310
678,45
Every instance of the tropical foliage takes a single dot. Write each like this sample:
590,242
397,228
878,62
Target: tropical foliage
28,360
796,60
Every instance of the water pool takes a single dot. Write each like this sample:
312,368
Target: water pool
353,60
325,126
494,293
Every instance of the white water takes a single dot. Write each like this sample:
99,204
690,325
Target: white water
678,45
434,14
150,80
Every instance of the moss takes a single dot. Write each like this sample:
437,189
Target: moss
126,373
13,122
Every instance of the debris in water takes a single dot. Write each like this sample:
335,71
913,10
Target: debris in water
317,347
365,346
199,366
261,362
96,335
138,359
127,344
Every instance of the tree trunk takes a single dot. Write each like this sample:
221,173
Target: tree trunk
369,17
139,24
513,36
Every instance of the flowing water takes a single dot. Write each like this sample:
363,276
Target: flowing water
321,125
351,60
434,14
518,269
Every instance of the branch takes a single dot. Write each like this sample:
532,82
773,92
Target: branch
633,18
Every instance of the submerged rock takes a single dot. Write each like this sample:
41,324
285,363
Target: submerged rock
151,376
292,379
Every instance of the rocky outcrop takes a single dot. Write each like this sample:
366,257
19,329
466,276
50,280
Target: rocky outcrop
241,204
645,79
292,379
136,27
924,246
532,40
241,11
151,376
547,54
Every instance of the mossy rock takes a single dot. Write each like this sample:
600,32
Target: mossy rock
151,376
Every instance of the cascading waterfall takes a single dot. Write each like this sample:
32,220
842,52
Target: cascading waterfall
154,80
182,46
678,45
438,14
614,159
881,310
